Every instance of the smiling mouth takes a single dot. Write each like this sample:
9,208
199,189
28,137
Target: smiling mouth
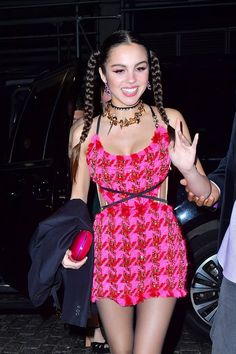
130,90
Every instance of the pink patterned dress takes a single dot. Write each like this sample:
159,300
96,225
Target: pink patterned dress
139,249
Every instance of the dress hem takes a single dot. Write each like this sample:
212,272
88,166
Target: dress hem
130,301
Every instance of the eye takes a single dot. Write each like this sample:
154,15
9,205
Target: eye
119,71
141,68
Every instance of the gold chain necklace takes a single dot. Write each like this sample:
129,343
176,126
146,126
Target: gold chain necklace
126,121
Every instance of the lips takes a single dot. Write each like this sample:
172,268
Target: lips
128,91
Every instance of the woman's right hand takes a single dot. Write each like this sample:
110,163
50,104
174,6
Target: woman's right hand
69,262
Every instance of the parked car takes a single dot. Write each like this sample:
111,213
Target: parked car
35,181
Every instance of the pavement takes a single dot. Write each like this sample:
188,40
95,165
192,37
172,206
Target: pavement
24,330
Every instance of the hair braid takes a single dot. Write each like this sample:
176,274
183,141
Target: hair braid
90,83
157,86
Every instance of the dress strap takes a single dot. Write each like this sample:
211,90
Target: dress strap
98,124
152,111
154,116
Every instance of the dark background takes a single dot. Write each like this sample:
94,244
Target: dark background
195,40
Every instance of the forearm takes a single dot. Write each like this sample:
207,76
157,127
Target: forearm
197,183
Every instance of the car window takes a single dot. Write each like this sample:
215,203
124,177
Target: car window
62,118
33,125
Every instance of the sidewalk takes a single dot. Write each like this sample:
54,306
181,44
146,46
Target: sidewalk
24,331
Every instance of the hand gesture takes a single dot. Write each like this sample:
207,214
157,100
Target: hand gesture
69,262
182,152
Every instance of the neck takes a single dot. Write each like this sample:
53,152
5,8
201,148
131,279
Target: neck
125,108
124,121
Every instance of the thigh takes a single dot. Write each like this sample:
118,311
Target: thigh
153,318
117,322
224,324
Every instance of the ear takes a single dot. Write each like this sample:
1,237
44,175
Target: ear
102,76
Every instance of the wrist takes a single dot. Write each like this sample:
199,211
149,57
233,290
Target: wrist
190,173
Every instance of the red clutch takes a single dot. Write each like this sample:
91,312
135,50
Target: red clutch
81,245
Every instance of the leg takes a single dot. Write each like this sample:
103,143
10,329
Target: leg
224,324
153,317
94,334
118,326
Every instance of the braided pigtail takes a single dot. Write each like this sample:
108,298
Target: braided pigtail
90,83
158,93
157,86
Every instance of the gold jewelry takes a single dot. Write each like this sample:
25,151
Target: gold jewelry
126,121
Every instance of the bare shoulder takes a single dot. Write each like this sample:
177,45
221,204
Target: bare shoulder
174,114
77,130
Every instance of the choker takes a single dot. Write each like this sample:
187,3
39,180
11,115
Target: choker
126,121
125,108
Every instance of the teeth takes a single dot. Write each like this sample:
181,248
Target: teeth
129,90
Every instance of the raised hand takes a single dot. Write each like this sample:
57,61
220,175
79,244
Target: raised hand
182,152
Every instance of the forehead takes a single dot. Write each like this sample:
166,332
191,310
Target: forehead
127,54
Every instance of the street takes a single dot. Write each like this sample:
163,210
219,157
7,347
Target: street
24,331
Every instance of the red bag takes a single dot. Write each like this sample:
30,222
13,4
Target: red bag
81,245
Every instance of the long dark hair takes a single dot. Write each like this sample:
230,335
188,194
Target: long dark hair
92,81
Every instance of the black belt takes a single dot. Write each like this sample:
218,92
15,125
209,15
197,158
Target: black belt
133,195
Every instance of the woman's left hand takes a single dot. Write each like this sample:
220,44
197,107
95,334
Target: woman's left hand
69,262
181,151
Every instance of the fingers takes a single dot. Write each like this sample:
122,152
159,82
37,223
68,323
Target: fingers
210,201
195,140
69,262
178,126
183,182
192,197
179,136
201,201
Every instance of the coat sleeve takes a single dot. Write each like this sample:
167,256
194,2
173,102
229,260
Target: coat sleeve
49,243
218,176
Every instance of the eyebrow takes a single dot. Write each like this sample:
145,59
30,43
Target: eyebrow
123,66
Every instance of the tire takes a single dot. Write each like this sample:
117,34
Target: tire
203,284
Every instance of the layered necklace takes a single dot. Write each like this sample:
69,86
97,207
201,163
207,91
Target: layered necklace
126,121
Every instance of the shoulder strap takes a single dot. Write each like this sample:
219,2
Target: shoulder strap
98,124
153,113
154,116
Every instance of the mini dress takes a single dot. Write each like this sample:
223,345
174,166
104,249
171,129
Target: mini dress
140,252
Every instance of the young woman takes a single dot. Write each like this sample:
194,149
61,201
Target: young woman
140,256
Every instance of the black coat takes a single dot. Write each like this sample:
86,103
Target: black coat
50,241
225,177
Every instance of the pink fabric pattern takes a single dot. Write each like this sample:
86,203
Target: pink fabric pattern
139,249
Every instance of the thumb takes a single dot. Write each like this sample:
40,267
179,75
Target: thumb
183,182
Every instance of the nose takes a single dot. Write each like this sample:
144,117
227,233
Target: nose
131,77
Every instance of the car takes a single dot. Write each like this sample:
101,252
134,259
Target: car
35,181
34,172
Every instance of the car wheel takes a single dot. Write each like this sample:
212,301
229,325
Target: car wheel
203,288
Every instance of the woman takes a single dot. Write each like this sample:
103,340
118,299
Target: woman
140,256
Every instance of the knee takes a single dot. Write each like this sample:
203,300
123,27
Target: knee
120,349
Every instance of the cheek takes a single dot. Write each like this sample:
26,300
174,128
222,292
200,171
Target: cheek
115,81
145,76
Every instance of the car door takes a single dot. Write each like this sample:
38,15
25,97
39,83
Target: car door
35,181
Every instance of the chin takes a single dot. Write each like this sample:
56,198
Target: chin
130,101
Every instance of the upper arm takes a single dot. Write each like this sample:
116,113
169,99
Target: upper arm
173,115
81,182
